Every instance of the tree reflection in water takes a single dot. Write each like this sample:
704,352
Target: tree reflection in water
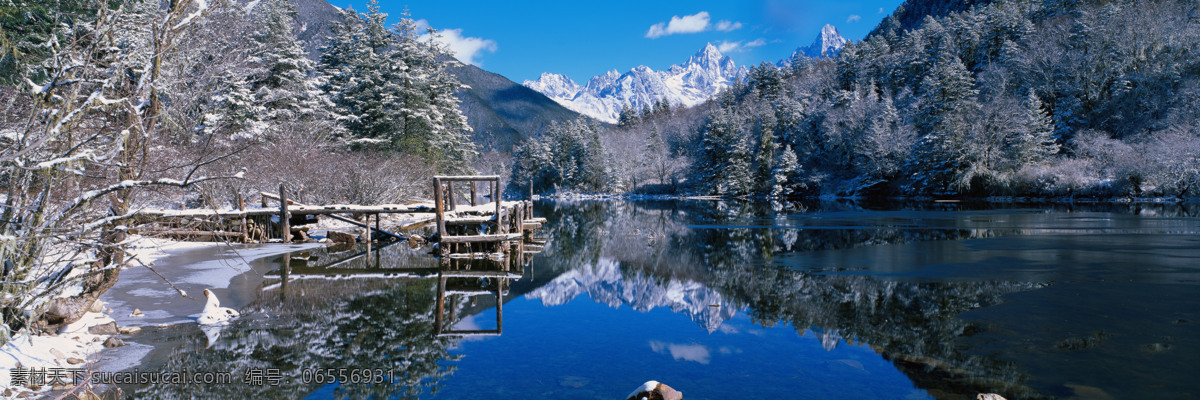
382,318
884,278
898,281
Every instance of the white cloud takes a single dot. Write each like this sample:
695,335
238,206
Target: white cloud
726,26
698,22
880,10
733,47
853,18
726,47
687,352
466,49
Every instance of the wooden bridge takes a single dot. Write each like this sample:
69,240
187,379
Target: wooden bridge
469,227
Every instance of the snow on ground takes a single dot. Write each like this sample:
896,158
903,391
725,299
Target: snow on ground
49,352
147,249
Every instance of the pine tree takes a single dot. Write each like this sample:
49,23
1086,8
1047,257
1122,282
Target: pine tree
783,180
725,155
627,116
285,89
943,120
1035,141
394,91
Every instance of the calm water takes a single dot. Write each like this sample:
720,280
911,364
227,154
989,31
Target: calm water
725,300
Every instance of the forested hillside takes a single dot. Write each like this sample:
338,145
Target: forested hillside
1011,98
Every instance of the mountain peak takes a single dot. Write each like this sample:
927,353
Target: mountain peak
827,44
829,31
708,55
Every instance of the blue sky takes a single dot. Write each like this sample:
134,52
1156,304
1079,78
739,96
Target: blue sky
522,39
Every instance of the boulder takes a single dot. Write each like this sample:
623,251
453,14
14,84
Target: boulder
105,329
341,237
653,390
113,341
97,307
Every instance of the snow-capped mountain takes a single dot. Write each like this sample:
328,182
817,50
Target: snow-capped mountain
687,84
827,44
605,283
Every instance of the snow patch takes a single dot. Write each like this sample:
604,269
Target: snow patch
72,341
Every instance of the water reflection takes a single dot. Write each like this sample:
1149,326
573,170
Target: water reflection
962,299
822,300
343,310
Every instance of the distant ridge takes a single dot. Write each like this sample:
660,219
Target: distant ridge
703,75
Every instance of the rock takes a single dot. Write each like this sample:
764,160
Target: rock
114,341
989,396
97,339
416,241
341,237
300,234
65,311
125,330
74,361
57,354
97,307
105,329
653,390
137,312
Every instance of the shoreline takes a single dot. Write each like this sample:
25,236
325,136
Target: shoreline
921,199
80,347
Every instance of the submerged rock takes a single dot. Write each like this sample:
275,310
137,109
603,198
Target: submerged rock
653,390
114,341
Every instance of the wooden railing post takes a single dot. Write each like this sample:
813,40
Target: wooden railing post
285,230
437,207
450,195
474,200
496,198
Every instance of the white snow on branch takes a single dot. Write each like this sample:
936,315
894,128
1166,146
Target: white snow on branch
201,7
63,160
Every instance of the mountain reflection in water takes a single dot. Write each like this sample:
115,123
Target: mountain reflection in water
732,300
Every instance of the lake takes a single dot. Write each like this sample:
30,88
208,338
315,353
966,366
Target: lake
728,300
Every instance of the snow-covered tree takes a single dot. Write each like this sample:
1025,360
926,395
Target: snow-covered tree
784,176
944,118
725,155
1034,142
76,148
393,89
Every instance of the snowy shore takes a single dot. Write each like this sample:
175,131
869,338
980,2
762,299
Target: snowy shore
37,361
